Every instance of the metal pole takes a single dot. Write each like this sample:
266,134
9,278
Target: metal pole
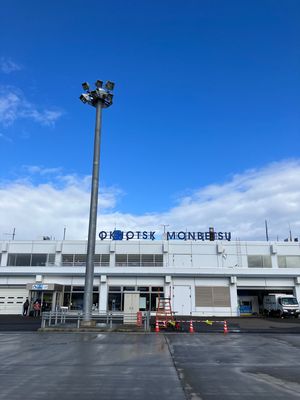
89,274
267,231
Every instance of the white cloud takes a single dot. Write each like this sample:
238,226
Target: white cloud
239,205
14,105
7,65
40,170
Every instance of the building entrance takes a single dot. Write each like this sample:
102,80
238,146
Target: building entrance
251,300
49,296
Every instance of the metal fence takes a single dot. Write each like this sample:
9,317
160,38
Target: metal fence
108,320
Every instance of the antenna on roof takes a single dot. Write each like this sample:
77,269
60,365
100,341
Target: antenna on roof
11,234
267,232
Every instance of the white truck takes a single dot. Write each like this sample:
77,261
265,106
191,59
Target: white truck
281,305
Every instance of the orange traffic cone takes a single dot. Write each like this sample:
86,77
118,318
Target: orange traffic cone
191,330
225,327
156,327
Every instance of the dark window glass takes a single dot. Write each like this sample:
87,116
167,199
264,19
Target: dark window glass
121,259
114,301
114,289
143,289
157,289
51,258
77,301
105,259
67,288
133,259
38,259
159,260
79,259
97,258
67,300
12,259
128,288
95,288
78,288
67,259
23,260
154,301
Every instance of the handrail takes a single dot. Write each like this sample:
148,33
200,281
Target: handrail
62,317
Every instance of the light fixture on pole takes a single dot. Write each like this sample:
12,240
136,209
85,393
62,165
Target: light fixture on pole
99,98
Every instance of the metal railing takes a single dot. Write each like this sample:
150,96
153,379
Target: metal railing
109,320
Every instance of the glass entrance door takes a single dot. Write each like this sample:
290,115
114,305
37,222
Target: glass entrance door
43,297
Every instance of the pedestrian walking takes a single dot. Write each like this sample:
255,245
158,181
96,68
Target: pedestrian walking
25,307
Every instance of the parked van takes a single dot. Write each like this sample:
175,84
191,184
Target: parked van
281,305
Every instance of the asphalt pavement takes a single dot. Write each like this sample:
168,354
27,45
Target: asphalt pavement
90,366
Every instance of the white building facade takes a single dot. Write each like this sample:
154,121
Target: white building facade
202,278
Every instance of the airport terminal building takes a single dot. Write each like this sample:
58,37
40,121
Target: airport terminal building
202,277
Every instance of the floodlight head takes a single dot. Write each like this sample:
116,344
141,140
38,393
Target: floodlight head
85,86
84,97
109,97
109,85
98,84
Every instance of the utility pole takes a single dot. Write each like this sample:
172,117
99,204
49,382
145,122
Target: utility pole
99,98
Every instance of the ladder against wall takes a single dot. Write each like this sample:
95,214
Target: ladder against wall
164,314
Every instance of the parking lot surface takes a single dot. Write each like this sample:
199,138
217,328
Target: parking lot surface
148,366
238,366
86,366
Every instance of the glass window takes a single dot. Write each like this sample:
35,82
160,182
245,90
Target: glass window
51,258
38,260
104,259
12,259
67,259
114,288
121,259
23,260
128,288
79,259
133,259
78,288
259,262
77,301
114,301
148,260
143,289
157,289
154,301
144,301
97,258
159,259
289,261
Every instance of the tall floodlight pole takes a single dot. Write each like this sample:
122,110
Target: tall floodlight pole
99,98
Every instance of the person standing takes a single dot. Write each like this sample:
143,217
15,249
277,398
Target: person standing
36,308
25,307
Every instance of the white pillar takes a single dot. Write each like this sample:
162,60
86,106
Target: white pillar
234,296
103,294
297,289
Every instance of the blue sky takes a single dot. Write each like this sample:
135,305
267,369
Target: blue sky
205,91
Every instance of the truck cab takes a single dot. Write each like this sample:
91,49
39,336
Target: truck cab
281,305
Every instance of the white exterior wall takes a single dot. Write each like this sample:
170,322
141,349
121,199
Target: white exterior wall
186,264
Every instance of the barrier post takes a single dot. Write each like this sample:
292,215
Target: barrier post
139,318
225,327
191,330
156,327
